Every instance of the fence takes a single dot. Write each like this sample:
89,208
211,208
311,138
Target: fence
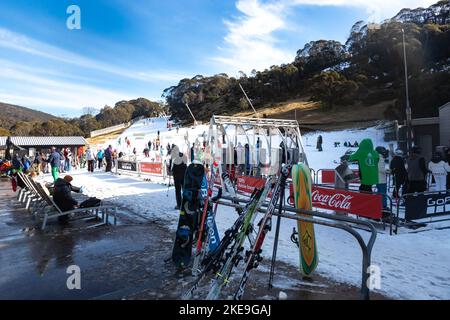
115,128
141,168
423,205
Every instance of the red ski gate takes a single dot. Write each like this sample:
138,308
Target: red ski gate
366,205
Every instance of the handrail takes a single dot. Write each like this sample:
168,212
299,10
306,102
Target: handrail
365,248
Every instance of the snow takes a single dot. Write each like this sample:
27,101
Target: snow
413,265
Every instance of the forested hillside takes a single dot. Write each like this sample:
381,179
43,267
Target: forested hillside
365,70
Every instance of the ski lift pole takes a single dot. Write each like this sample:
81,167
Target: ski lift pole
192,115
245,94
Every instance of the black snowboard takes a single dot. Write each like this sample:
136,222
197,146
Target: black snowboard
190,209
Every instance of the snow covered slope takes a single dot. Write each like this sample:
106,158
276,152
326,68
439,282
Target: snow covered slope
413,266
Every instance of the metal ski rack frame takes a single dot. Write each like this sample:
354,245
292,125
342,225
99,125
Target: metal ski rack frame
287,130
340,222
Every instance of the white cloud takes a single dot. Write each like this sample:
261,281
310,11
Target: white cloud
34,87
377,10
251,42
22,43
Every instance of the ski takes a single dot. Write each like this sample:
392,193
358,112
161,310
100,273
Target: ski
213,259
265,225
201,242
233,256
229,188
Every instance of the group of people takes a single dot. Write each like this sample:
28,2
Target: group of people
409,173
102,157
55,160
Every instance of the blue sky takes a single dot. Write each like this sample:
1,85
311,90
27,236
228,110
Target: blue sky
137,48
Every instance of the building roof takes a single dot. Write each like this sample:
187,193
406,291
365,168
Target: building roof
425,121
447,105
45,141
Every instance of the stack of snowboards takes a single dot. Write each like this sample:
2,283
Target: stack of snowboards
301,179
189,214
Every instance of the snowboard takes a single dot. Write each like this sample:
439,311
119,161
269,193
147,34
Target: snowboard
301,180
190,209
210,227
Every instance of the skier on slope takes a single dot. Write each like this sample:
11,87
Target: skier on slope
178,168
439,168
367,159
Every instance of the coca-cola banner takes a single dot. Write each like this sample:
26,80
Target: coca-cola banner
248,184
361,204
424,205
151,168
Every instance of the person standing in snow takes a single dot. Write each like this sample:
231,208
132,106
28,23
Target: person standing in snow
55,162
90,159
367,159
319,143
178,166
193,152
399,172
382,175
100,156
439,168
417,171
108,158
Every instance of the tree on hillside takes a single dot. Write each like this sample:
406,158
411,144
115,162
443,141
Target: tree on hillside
4,132
332,88
317,56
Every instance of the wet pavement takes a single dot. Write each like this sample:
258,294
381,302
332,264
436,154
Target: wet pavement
127,261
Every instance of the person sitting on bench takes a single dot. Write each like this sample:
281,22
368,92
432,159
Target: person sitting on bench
62,195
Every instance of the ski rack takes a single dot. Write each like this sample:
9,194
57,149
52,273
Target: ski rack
342,223
288,132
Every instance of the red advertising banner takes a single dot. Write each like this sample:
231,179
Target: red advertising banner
151,168
328,176
248,184
361,204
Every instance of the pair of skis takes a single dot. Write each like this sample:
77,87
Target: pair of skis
214,259
265,225
235,253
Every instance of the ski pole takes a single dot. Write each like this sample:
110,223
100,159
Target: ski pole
168,187
277,232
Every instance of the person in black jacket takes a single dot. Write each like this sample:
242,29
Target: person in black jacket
319,143
108,158
399,172
62,196
178,168
417,171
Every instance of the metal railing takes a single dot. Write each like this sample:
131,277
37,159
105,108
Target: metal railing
341,222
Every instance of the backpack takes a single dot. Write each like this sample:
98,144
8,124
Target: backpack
91,202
